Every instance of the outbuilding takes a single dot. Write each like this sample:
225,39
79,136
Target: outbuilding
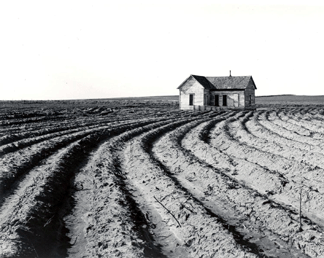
213,93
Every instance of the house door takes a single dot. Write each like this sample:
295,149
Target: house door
191,99
224,100
216,100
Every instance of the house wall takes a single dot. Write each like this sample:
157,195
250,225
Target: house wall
207,97
250,91
195,88
203,97
235,99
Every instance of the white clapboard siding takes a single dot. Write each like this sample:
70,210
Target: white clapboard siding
198,92
237,91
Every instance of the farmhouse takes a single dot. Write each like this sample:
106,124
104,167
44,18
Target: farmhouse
213,93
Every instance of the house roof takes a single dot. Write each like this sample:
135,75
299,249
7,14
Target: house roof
204,81
222,83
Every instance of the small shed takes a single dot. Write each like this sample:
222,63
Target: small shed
213,93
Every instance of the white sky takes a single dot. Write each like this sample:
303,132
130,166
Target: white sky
103,49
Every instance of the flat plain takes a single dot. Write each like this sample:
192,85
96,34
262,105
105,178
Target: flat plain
137,177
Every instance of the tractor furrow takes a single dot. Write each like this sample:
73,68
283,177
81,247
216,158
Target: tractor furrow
15,165
104,194
257,168
254,215
32,216
270,122
174,211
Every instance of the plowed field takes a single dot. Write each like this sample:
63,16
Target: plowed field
153,181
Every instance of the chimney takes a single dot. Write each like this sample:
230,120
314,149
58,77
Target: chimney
230,74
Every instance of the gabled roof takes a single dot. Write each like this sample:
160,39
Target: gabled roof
230,82
222,83
204,82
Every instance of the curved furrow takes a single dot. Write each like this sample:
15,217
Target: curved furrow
16,164
316,113
319,115
287,156
244,171
105,165
14,142
283,146
284,187
275,117
208,188
13,146
297,128
77,123
36,119
290,124
104,213
315,110
172,209
31,219
308,122
47,115
277,137
276,155
270,122
272,227
84,180
49,125
34,138
44,130
54,126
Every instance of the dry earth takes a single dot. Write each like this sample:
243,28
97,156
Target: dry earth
148,180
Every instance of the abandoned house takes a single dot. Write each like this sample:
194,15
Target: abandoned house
213,93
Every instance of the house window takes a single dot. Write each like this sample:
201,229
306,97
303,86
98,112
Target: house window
217,100
250,100
191,99
224,100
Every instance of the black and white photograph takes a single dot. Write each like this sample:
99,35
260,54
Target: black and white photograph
162,129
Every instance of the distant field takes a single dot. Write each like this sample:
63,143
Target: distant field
171,101
289,100
156,101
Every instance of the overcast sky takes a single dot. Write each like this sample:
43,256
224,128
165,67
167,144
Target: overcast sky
103,49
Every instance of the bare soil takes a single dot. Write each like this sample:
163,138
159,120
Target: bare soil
140,178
